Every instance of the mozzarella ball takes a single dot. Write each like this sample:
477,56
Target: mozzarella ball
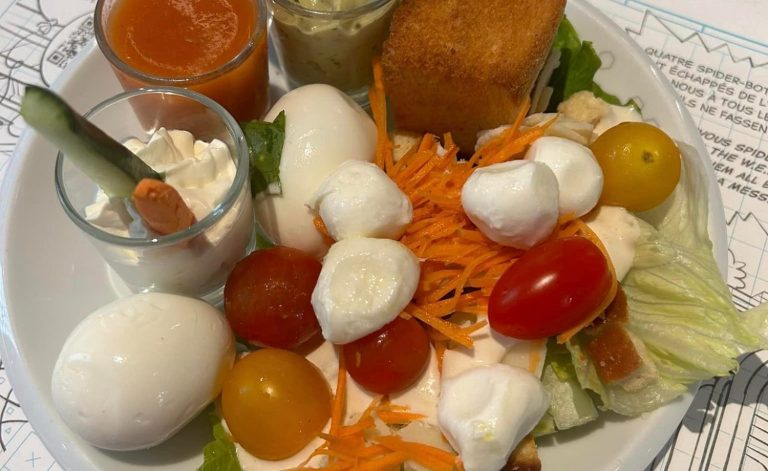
138,369
486,411
360,200
579,176
323,128
512,203
364,284
619,232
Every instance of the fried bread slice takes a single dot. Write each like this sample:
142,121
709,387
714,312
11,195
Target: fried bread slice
461,67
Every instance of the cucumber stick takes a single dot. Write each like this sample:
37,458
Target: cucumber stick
108,163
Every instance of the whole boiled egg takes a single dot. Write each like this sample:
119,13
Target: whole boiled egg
138,369
323,128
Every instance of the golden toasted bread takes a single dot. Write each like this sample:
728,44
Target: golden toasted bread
619,357
613,353
463,66
525,457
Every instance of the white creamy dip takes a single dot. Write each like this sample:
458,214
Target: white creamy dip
202,173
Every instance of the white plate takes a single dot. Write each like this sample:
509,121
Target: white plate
52,277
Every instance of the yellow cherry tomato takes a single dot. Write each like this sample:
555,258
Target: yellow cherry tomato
641,165
275,402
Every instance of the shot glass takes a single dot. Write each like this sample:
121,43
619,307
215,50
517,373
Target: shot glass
241,85
193,262
335,47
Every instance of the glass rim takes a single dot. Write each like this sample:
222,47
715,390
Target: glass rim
229,200
296,8
116,61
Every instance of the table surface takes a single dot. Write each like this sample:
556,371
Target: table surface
715,52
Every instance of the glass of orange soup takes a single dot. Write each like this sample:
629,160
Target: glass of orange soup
215,47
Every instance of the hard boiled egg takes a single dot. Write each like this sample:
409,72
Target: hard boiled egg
363,285
579,176
360,200
512,203
138,369
323,128
486,411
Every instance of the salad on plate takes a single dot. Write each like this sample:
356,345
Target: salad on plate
414,304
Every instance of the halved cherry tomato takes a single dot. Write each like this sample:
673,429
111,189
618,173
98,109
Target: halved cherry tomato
390,359
275,402
641,165
550,289
267,297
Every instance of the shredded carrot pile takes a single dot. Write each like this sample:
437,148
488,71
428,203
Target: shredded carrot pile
460,265
361,446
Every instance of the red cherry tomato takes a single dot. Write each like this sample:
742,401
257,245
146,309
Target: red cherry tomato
390,359
553,287
267,297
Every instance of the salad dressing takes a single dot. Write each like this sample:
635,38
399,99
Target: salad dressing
330,41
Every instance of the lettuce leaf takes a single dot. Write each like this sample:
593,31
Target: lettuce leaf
220,453
570,405
265,147
579,63
679,306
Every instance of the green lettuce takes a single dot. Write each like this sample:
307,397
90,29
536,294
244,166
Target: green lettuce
220,453
680,311
265,146
579,63
570,405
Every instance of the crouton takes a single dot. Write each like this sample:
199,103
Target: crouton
461,67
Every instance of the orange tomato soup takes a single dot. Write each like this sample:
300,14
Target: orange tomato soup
185,39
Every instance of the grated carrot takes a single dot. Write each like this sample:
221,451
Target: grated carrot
456,257
323,230
340,398
450,330
390,417
535,359
161,207
426,455
356,446
378,101
362,424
